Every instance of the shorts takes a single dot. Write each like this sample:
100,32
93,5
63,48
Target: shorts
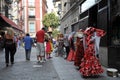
40,49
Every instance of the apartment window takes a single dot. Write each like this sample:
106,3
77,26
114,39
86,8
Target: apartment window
31,2
66,30
31,27
31,11
59,7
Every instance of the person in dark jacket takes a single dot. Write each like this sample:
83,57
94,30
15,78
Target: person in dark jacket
9,43
28,45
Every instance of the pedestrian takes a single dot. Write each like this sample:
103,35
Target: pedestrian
2,39
54,42
28,42
40,37
48,48
71,55
61,45
66,45
9,46
18,42
56,46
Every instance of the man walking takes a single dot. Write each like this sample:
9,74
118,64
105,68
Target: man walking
40,37
28,45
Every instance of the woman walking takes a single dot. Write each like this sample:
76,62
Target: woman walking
61,45
71,55
9,46
48,48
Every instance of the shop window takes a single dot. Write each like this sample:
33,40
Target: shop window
84,14
115,31
102,4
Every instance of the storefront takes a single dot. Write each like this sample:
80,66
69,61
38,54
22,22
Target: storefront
114,34
105,15
5,22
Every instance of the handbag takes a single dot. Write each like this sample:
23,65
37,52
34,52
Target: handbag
2,43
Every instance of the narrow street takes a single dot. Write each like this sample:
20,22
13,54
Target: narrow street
55,68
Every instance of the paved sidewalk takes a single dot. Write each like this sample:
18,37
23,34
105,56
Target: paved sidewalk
27,70
66,71
57,68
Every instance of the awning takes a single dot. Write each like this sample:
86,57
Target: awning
5,22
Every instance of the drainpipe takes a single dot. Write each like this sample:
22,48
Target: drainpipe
109,21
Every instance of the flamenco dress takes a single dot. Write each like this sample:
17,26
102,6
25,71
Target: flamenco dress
90,65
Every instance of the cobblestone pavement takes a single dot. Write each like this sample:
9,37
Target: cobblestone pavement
56,68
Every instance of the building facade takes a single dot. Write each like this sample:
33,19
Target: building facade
7,16
102,14
32,14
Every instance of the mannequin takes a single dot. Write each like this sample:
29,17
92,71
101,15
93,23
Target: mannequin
90,65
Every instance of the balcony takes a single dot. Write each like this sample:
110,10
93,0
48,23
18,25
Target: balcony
31,16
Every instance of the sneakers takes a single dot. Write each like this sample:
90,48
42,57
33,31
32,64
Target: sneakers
7,64
27,59
41,61
12,63
44,60
38,62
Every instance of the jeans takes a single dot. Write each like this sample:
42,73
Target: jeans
9,52
27,52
